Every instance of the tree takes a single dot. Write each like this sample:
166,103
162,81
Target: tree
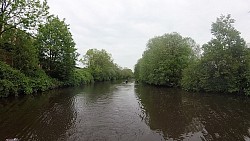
100,64
19,51
16,45
137,70
195,48
57,52
224,66
127,73
23,14
25,55
164,59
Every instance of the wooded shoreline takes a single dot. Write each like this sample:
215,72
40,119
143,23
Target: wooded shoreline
38,53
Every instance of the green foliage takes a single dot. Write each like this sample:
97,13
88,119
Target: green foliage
137,70
7,88
80,77
56,49
40,81
101,66
224,66
28,61
18,46
25,57
22,14
164,60
14,82
99,63
191,77
127,73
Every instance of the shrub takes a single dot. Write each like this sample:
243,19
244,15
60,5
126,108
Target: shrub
79,77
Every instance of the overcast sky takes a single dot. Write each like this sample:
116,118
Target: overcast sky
123,27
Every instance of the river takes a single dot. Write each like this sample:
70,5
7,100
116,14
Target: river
113,111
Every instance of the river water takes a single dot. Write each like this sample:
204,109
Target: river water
114,111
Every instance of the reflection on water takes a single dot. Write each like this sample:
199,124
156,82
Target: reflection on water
108,112
184,116
116,111
42,117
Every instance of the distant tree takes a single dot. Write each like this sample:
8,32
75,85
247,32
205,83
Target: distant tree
127,73
224,66
164,59
100,64
57,52
102,67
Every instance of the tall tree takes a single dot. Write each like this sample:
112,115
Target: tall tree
100,64
23,14
57,52
25,57
164,60
224,66
18,50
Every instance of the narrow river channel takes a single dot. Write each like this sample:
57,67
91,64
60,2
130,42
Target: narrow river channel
113,111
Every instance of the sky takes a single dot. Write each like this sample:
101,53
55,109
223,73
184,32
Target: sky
123,27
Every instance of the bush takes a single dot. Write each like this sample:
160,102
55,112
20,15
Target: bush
164,60
13,82
191,77
6,87
79,77
40,81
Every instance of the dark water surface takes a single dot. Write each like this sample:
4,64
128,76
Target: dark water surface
127,112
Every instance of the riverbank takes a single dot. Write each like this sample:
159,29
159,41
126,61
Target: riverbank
13,82
221,65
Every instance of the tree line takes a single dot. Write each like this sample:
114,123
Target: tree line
37,52
221,65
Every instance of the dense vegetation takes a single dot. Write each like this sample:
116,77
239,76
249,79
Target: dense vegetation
223,65
102,67
37,52
165,59
13,81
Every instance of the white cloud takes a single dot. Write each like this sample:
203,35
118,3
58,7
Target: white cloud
123,27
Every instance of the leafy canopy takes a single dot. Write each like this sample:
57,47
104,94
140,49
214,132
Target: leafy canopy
164,59
224,66
23,14
57,52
